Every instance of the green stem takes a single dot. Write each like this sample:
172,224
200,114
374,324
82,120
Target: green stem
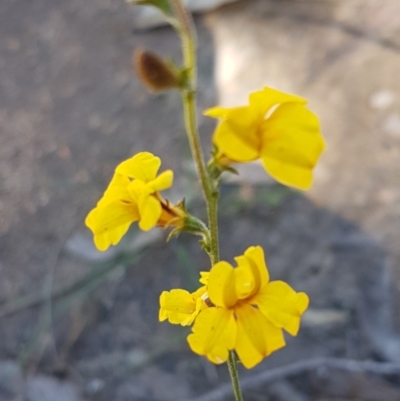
211,194
232,365
187,35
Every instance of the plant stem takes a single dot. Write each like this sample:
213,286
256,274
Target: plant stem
186,32
232,365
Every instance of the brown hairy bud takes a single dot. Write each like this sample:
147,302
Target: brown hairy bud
155,73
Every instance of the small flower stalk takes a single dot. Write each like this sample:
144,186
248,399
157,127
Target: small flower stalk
237,313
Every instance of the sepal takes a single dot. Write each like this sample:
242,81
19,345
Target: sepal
218,164
191,225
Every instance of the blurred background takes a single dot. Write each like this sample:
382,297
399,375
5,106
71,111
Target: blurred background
77,324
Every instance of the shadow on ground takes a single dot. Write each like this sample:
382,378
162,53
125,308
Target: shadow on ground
104,335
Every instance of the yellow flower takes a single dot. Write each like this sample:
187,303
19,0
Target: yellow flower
275,127
247,312
132,195
180,306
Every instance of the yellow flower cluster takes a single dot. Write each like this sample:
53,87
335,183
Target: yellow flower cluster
238,309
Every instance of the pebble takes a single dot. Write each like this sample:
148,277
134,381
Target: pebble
382,100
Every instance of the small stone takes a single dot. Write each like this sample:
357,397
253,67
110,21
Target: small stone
381,100
94,387
137,358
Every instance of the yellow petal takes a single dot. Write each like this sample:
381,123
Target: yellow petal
200,297
251,273
256,336
139,190
116,190
221,285
292,144
217,112
282,305
244,281
237,135
150,211
200,292
110,222
178,306
232,144
266,98
213,334
111,237
242,116
204,277
143,166
256,255
163,181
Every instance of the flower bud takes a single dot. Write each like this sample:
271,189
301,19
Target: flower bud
154,72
